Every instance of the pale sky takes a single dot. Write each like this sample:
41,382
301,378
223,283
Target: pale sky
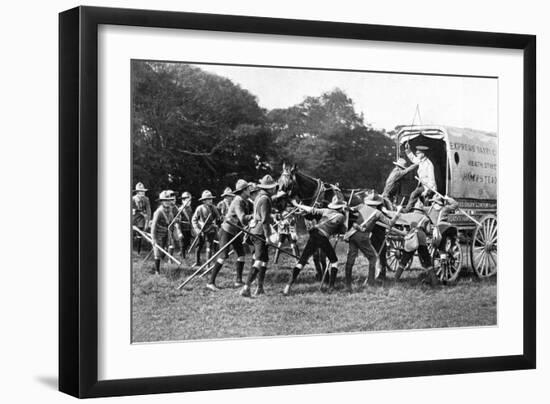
385,99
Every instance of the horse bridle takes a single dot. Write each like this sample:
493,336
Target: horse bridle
291,179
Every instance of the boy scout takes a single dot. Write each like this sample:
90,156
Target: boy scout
223,205
141,212
359,236
185,222
204,224
261,227
237,214
161,235
331,222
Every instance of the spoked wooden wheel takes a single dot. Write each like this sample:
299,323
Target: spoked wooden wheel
394,251
448,268
483,252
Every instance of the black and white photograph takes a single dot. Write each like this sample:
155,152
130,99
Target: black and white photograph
272,201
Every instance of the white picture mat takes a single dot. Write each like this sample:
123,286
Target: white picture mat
120,359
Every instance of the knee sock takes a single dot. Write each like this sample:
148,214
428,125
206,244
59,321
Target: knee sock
295,272
261,277
333,273
239,267
217,266
252,275
197,256
348,272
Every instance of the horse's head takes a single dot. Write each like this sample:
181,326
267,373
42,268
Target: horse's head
287,180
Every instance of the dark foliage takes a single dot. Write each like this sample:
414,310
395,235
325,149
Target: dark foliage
193,130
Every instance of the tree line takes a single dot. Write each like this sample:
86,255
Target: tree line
193,130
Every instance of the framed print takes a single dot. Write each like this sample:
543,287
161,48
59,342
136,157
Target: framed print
251,201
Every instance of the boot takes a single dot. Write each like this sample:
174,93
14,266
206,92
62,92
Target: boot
332,281
156,268
261,277
398,273
318,270
139,245
239,278
252,275
182,250
215,270
432,277
245,292
382,274
293,276
197,258
370,276
348,278
277,253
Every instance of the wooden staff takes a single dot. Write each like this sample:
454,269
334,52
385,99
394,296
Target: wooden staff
147,257
198,235
150,240
183,206
210,268
194,274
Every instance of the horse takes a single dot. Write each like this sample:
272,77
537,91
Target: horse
313,191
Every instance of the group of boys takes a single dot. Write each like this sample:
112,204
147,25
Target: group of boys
248,206
244,217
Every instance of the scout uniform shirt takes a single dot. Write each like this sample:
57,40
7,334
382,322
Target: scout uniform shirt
373,216
262,214
185,218
236,214
201,214
141,209
161,219
223,207
330,222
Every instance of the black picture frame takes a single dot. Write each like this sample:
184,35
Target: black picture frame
78,207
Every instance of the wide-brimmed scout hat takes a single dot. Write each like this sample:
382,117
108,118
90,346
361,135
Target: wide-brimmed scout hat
227,192
422,148
206,195
373,199
241,185
401,163
437,199
337,203
167,196
186,195
140,187
267,182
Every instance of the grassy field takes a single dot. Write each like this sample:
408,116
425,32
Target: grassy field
160,312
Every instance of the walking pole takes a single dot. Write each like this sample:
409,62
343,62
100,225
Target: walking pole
194,274
212,266
150,240
146,257
182,207
199,234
